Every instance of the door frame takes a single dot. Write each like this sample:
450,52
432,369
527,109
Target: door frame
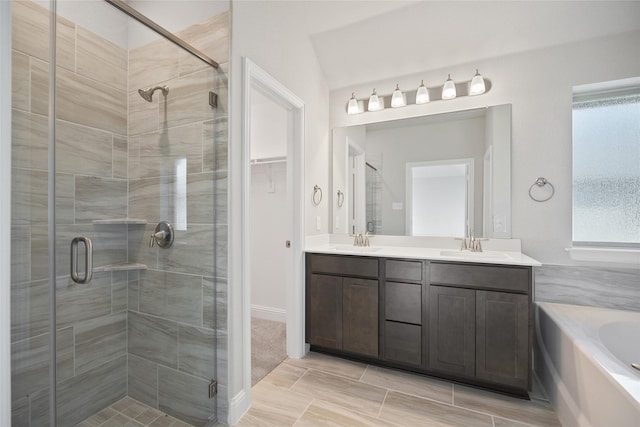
254,77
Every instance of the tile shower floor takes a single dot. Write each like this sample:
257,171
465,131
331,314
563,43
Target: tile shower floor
324,390
128,412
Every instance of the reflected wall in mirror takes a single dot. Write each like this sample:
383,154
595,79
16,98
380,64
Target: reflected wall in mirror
439,175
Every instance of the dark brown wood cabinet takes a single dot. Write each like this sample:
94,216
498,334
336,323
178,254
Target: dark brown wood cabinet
342,308
324,314
360,316
452,331
480,323
402,311
502,338
461,321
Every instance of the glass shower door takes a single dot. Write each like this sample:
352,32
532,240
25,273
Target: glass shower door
132,134
138,142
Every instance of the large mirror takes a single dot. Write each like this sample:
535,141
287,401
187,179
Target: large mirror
438,175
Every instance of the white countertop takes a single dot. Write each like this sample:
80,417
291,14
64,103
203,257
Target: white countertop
407,248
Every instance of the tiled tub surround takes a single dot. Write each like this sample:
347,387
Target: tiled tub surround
606,287
125,332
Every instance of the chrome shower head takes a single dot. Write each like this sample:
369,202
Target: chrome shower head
147,93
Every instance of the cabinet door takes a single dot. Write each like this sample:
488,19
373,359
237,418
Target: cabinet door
324,311
452,330
360,316
502,338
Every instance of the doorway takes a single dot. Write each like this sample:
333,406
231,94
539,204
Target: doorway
440,198
273,145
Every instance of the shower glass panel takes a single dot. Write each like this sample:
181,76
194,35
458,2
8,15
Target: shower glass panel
139,339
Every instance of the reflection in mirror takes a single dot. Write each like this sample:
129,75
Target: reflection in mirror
439,175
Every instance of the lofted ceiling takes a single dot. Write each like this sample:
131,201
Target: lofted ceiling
362,41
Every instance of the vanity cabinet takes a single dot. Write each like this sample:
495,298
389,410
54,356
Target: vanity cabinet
403,290
342,304
467,322
480,322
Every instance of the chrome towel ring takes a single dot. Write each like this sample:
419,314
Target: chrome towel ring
340,198
316,198
541,182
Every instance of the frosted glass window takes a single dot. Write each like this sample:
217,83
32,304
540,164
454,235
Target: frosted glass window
606,170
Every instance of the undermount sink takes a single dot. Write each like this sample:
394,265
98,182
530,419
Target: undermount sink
357,249
475,255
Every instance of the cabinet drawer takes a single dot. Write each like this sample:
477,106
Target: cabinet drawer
506,278
344,265
403,270
403,302
403,343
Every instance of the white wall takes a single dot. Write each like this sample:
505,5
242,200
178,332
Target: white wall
538,84
269,127
269,230
270,35
5,212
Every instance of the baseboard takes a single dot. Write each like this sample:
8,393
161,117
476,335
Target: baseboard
268,313
238,406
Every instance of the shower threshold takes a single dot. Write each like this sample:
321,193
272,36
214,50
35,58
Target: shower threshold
131,413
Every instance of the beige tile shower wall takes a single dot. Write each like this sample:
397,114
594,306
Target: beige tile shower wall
91,183
177,169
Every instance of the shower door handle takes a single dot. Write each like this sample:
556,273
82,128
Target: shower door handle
88,260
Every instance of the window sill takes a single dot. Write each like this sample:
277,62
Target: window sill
621,256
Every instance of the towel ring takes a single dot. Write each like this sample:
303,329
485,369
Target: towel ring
317,195
340,198
541,182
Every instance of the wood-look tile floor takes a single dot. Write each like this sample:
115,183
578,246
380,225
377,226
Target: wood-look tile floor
128,412
321,390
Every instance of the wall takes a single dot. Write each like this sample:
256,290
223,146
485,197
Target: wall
269,34
541,122
5,214
269,230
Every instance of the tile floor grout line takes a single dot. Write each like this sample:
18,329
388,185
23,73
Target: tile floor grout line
382,405
343,377
363,372
303,412
296,381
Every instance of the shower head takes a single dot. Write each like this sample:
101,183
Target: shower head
147,93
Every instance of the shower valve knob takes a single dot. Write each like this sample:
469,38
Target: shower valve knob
163,235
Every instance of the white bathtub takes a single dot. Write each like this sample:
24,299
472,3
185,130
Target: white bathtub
585,367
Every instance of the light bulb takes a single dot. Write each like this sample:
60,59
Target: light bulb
352,107
397,99
422,95
374,102
449,89
477,84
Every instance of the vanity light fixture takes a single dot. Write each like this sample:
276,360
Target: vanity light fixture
477,84
397,99
422,94
352,107
449,89
374,102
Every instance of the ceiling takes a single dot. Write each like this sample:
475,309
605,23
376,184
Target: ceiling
364,41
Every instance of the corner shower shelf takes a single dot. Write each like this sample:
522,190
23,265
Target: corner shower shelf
120,221
121,267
